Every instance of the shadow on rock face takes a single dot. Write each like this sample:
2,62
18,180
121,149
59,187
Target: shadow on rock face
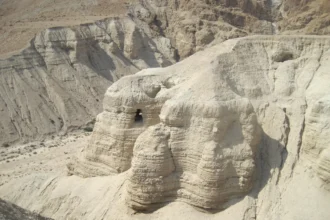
9,211
272,157
96,59
210,136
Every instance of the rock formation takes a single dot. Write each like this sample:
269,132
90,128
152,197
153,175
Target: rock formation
240,125
58,82
308,17
211,121
191,25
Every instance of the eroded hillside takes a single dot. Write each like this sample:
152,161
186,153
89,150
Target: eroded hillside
308,17
21,20
57,82
239,130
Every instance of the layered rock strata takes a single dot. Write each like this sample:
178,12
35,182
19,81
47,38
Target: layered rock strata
192,25
211,121
308,17
58,82
65,71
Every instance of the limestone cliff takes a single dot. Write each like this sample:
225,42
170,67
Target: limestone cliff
236,116
191,25
58,82
308,17
240,126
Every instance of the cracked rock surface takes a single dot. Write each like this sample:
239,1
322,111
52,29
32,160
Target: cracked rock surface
240,117
236,131
57,83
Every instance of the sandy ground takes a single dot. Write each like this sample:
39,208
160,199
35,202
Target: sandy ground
21,20
47,157
34,177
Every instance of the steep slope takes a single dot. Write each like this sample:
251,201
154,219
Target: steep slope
308,17
10,211
66,71
191,25
58,82
20,21
199,138
240,127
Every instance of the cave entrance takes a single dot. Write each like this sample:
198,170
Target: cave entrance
138,116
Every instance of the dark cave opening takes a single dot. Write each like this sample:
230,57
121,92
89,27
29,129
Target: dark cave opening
138,116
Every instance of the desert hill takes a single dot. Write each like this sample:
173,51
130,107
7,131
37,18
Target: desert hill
87,45
154,109
237,130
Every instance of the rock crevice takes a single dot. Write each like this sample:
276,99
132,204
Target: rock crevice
211,120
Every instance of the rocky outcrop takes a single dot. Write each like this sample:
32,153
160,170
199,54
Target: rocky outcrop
315,144
308,17
210,122
243,122
58,82
191,25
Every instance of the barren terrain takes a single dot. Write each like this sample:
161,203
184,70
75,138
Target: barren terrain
165,109
21,20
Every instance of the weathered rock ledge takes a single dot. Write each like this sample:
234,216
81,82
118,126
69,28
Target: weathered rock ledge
216,124
58,82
